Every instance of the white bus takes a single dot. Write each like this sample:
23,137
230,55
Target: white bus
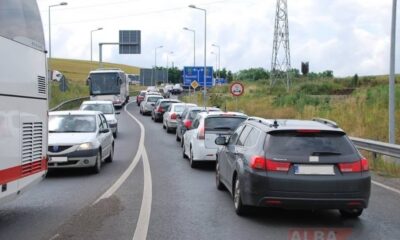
109,84
23,98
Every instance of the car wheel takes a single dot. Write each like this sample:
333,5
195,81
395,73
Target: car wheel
183,153
218,182
193,164
240,209
97,166
111,157
351,213
115,135
167,128
177,137
182,141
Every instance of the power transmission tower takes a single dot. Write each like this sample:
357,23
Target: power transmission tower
280,64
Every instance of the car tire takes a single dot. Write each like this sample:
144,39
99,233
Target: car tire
111,157
167,128
177,138
351,213
183,153
240,209
115,135
182,141
219,184
193,164
97,166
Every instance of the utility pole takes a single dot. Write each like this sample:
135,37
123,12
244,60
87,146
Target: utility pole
392,86
280,64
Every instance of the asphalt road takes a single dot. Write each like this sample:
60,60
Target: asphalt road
181,203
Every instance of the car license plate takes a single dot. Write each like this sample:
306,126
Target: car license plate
58,159
304,169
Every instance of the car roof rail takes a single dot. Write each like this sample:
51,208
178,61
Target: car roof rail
269,123
326,122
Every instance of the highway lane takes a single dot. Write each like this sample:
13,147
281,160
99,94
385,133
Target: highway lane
185,202
187,205
65,194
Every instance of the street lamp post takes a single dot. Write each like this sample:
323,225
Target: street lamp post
194,44
392,80
155,64
91,43
216,62
205,51
168,53
55,5
219,59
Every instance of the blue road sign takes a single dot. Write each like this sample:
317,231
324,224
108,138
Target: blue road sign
191,74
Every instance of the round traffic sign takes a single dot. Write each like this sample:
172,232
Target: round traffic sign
237,89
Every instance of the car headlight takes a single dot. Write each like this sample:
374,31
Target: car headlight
85,146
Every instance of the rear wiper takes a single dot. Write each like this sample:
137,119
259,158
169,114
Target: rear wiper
325,153
221,128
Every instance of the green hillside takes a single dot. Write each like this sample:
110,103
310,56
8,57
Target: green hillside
78,70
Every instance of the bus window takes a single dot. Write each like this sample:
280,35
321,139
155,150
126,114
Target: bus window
20,21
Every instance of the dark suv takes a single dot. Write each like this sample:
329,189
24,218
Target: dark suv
160,107
293,164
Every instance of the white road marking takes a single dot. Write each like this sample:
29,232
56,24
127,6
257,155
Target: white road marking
386,187
142,225
131,167
55,237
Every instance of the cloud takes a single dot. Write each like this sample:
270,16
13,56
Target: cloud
346,36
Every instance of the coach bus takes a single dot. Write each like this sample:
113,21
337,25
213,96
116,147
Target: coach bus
109,84
23,98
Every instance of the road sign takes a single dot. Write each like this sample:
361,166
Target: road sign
194,84
191,74
237,89
129,42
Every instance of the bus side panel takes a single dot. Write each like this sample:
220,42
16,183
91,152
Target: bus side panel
23,116
23,70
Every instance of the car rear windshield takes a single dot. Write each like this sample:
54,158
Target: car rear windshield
142,94
193,113
153,99
304,144
223,123
179,108
72,123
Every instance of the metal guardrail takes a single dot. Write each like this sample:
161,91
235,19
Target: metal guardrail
61,105
377,147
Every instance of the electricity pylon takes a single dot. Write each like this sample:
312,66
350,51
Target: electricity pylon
280,64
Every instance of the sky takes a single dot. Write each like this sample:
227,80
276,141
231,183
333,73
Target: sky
345,36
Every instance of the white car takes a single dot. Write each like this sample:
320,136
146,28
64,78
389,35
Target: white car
107,108
170,116
79,139
199,139
147,105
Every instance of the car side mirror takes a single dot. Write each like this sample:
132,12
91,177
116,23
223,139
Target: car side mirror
221,140
107,130
178,117
87,81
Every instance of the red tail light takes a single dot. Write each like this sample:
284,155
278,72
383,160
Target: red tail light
201,135
277,166
160,109
173,116
187,123
259,162
354,167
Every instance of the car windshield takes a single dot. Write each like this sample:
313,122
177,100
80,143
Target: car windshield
72,123
223,123
293,143
193,113
153,99
104,108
